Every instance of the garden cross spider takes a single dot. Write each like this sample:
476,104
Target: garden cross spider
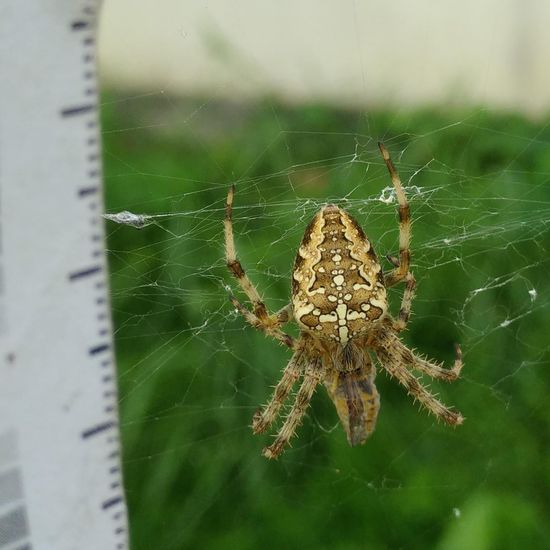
339,303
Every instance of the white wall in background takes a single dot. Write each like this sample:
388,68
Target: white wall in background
362,52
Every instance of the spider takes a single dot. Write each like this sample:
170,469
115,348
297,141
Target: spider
339,303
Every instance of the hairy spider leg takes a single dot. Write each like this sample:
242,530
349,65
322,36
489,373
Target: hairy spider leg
265,417
312,377
390,358
260,318
401,270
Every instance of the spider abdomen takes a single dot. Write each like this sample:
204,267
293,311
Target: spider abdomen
338,287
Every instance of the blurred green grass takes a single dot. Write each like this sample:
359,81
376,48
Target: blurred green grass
191,373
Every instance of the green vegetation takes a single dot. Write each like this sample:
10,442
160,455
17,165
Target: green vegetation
192,374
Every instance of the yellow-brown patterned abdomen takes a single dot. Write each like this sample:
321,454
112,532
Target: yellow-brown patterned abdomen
338,287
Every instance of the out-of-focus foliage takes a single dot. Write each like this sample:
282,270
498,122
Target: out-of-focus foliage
191,374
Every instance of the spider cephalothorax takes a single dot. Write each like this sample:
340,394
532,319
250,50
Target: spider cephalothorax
339,302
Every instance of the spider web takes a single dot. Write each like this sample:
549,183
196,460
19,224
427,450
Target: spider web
192,372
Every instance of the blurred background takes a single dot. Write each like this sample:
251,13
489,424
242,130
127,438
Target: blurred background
287,100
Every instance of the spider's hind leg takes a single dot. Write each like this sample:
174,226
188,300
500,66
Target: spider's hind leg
437,371
263,418
408,358
392,360
312,376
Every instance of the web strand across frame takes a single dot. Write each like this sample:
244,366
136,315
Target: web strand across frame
192,372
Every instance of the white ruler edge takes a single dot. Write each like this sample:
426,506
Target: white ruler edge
60,477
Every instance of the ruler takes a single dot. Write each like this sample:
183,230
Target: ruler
60,476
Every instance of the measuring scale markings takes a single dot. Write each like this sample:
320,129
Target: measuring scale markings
56,327
75,275
80,110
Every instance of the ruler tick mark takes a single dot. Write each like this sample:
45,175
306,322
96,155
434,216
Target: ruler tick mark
85,191
77,110
75,275
99,349
97,429
111,502
79,25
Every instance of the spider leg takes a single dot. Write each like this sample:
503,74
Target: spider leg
312,377
394,364
234,264
400,323
265,417
402,267
259,318
284,315
408,358
437,371
267,326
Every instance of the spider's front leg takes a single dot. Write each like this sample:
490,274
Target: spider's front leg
402,265
234,265
268,325
400,323
401,270
259,317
